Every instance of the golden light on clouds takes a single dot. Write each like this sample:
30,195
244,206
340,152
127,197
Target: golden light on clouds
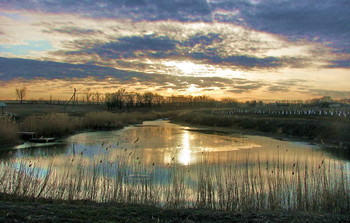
134,49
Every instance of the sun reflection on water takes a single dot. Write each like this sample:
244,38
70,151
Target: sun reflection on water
184,156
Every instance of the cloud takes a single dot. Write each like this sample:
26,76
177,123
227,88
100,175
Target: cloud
287,85
205,49
30,69
239,60
129,47
74,31
331,93
203,39
326,21
340,64
181,10
107,78
276,88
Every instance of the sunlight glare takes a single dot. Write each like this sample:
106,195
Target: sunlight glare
184,155
186,67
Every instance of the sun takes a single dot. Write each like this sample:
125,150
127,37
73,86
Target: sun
186,67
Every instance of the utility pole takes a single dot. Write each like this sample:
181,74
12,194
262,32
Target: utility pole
71,99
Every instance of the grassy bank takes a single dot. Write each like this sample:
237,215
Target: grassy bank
334,131
63,124
51,120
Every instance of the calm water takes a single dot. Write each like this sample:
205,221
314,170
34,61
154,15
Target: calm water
162,143
154,149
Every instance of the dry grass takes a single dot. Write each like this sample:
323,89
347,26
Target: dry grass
55,124
62,124
8,130
109,120
317,186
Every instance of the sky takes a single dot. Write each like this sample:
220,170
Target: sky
246,49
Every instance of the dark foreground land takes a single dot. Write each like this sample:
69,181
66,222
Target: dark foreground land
78,211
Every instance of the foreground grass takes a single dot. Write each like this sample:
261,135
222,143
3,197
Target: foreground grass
320,186
29,210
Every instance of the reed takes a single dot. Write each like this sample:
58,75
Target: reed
62,124
55,124
278,185
109,120
8,130
331,129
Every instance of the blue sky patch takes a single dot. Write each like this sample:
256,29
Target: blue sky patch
26,49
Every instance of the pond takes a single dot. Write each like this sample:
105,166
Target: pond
166,164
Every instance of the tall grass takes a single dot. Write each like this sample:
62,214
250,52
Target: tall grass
61,124
316,185
299,127
8,130
55,124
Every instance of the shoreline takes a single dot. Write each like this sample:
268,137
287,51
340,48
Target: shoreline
231,131
271,128
213,130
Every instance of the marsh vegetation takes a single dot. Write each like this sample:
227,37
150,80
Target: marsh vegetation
269,185
194,169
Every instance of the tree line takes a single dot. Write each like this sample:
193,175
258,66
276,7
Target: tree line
123,99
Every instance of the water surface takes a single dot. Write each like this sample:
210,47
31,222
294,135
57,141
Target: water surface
182,165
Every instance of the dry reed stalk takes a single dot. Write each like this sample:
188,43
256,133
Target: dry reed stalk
236,186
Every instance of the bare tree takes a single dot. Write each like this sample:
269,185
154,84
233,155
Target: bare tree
87,94
21,93
97,97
